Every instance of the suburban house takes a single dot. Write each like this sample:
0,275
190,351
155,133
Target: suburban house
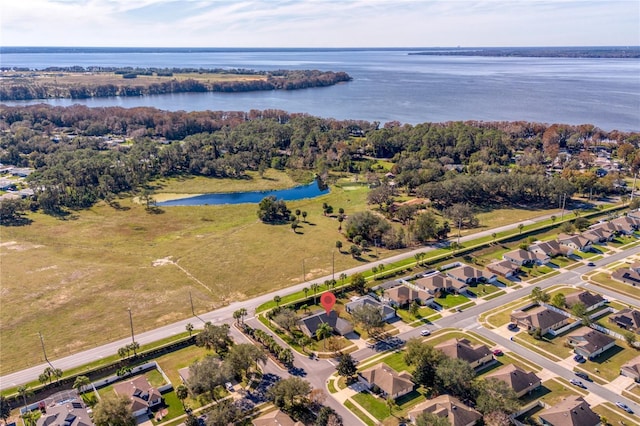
540,317
589,342
402,295
526,258
632,369
625,225
308,325
391,383
504,268
142,395
275,418
571,411
589,300
598,235
438,282
550,249
576,242
476,355
520,381
629,275
447,406
629,319
388,312
69,412
469,275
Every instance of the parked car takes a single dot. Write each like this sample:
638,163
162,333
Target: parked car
425,332
583,376
579,358
591,264
577,383
229,386
498,352
512,326
624,406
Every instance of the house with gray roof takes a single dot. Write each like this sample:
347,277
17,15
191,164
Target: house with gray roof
631,369
524,257
589,300
504,268
308,325
391,383
476,355
71,412
388,313
576,242
550,248
143,396
627,318
402,295
439,282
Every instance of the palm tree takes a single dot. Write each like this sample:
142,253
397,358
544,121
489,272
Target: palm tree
339,246
340,219
323,331
134,347
304,341
243,313
80,382
189,327
182,393
277,299
315,287
236,316
24,392
57,373
494,235
304,216
305,291
520,226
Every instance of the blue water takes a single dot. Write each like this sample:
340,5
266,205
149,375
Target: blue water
298,193
391,85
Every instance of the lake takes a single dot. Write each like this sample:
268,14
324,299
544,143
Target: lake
390,85
297,193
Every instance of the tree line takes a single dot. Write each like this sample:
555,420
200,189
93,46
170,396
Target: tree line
278,80
77,162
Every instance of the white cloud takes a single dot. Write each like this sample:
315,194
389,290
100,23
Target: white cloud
300,23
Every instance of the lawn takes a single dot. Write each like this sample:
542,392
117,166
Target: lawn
549,347
451,300
174,361
481,290
608,364
613,414
423,313
604,279
377,407
355,410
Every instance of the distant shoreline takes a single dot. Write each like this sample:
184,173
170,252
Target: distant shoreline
630,52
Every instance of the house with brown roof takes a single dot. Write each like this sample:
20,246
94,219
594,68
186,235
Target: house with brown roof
476,355
391,383
571,411
275,418
576,242
504,268
524,257
550,248
522,382
629,319
539,317
388,313
598,235
631,369
309,324
589,342
625,225
143,396
447,406
589,300
402,295
469,275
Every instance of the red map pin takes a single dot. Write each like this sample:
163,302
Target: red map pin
327,300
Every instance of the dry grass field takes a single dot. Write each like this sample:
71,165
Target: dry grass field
73,279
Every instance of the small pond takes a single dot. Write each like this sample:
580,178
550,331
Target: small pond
312,190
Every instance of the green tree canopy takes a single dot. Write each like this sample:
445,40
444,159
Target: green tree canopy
113,410
272,210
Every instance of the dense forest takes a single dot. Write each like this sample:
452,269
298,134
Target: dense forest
82,155
28,85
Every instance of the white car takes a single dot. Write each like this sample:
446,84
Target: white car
229,386
425,332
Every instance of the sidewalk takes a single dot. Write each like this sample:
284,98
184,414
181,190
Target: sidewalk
342,395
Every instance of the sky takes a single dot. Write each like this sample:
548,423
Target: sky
319,23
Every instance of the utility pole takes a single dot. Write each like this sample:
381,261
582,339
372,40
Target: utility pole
191,301
133,339
564,201
304,274
333,266
633,190
43,351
